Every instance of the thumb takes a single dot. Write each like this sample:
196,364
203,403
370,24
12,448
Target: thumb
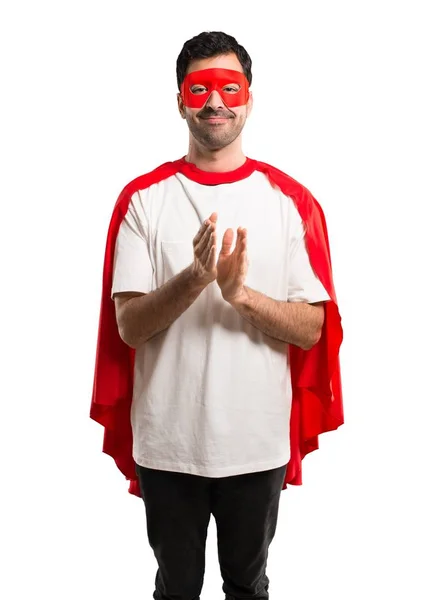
227,240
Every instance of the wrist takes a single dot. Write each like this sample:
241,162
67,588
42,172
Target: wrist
242,298
198,279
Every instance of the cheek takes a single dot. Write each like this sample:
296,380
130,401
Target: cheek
189,111
240,112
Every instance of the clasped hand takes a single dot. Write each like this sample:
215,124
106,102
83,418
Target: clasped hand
231,268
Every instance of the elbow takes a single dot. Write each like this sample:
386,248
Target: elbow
127,337
127,340
311,341
315,332
126,327
131,338
133,345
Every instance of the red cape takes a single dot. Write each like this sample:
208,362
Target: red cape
317,394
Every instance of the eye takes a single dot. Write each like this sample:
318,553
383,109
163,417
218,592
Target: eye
231,88
198,89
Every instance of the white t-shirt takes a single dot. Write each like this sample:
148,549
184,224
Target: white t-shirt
212,394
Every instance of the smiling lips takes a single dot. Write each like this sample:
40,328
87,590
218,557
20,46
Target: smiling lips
215,118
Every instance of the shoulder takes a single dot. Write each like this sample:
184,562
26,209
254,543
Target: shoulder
282,179
146,180
303,199
143,182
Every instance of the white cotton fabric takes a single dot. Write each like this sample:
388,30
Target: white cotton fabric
212,394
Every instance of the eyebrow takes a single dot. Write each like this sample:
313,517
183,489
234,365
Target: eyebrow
224,85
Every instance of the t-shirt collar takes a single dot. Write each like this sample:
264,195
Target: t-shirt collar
191,171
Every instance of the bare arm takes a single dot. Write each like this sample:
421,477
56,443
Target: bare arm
142,316
296,323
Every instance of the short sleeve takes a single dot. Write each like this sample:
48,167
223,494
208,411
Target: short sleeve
303,284
133,270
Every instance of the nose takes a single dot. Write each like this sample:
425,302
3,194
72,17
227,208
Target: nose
215,100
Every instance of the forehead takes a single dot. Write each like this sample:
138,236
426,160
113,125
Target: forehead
224,61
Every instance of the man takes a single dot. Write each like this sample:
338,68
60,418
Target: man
217,301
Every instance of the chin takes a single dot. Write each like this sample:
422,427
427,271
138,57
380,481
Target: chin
218,142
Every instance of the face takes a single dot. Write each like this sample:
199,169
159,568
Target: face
215,103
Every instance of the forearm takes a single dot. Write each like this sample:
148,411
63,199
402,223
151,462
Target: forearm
143,317
296,323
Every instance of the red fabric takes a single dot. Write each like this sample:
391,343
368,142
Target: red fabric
317,395
191,171
317,405
214,79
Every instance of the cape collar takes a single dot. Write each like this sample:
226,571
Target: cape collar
191,171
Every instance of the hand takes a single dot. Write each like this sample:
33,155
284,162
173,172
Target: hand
204,250
232,267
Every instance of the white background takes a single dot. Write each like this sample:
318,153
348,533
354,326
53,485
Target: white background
345,101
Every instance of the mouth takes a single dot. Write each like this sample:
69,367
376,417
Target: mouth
216,119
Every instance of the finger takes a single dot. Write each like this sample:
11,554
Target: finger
204,257
206,238
238,241
211,261
203,241
199,235
201,231
242,262
227,241
206,252
213,217
242,239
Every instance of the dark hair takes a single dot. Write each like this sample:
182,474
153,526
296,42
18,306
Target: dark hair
207,45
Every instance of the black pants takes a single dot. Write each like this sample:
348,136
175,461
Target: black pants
178,508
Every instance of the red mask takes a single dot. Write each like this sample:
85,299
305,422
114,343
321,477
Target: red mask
231,85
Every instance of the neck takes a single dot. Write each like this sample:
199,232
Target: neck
216,161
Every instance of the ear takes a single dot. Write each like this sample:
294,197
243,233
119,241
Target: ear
249,104
181,106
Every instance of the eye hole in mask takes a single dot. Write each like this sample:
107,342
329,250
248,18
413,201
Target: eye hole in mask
232,86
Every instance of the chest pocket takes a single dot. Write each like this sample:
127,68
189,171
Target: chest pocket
176,256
